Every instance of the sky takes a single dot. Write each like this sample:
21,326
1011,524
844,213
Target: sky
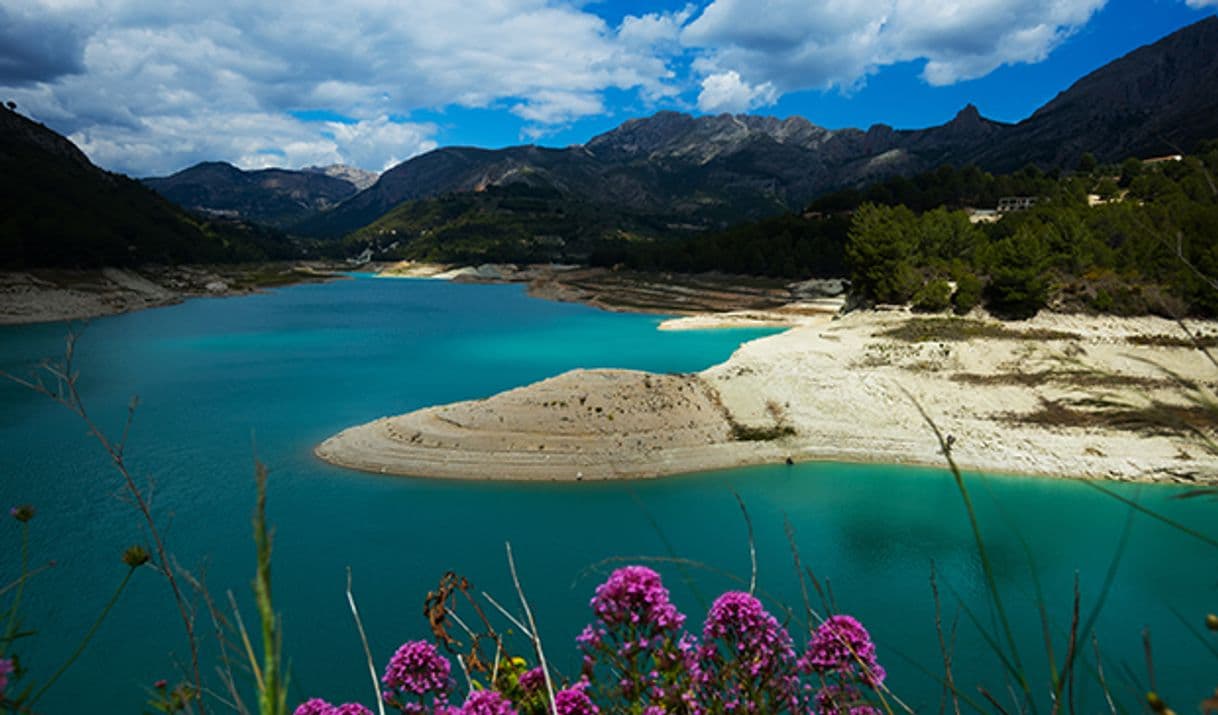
149,88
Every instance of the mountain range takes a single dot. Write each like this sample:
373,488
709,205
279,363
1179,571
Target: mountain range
277,197
664,175
710,171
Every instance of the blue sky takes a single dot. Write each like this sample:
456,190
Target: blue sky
149,88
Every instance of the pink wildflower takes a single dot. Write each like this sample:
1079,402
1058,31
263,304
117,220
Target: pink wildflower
841,645
487,702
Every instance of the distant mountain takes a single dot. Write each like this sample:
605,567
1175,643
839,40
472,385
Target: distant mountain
1159,99
58,209
702,172
706,172
277,197
355,176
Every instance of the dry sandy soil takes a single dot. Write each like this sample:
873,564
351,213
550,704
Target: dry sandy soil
52,295
1058,395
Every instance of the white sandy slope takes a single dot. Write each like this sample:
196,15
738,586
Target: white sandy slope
829,389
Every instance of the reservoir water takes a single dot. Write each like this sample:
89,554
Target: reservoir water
221,381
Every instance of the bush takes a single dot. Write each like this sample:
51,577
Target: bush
968,293
933,297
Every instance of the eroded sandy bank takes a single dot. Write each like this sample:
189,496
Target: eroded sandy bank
1018,398
53,295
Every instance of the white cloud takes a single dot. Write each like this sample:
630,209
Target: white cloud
796,45
226,76
654,30
154,86
251,141
726,92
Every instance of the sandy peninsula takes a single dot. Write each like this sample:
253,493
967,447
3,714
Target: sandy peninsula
1059,395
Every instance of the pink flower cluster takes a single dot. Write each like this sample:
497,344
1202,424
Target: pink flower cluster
417,678
635,595
842,645
317,706
487,702
637,658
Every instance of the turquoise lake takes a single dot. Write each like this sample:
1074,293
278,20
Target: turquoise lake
222,380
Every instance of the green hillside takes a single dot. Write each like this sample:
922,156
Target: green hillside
58,209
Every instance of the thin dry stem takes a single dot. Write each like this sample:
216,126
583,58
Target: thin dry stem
363,638
949,684
469,682
799,570
528,614
1099,671
752,544
516,622
245,642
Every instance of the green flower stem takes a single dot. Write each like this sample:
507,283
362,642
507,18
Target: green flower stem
84,643
11,630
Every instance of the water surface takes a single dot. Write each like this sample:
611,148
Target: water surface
223,380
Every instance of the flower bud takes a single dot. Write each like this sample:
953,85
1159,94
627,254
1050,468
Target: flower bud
22,513
136,556
1155,702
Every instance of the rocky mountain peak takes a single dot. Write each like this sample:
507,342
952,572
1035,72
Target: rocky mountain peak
359,178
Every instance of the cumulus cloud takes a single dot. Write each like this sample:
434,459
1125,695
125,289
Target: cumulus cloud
726,92
227,76
796,45
150,87
251,141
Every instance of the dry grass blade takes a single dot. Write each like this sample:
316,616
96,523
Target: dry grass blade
949,683
789,530
504,612
987,566
245,642
991,700
363,638
1071,647
528,614
1099,671
690,582
1152,513
1150,659
220,625
752,543
1197,632
469,682
21,580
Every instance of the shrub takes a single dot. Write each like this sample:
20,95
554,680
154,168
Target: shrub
968,293
933,297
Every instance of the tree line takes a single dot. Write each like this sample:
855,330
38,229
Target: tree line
1150,247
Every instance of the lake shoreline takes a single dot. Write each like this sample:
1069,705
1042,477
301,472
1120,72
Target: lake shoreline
53,295
1013,398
